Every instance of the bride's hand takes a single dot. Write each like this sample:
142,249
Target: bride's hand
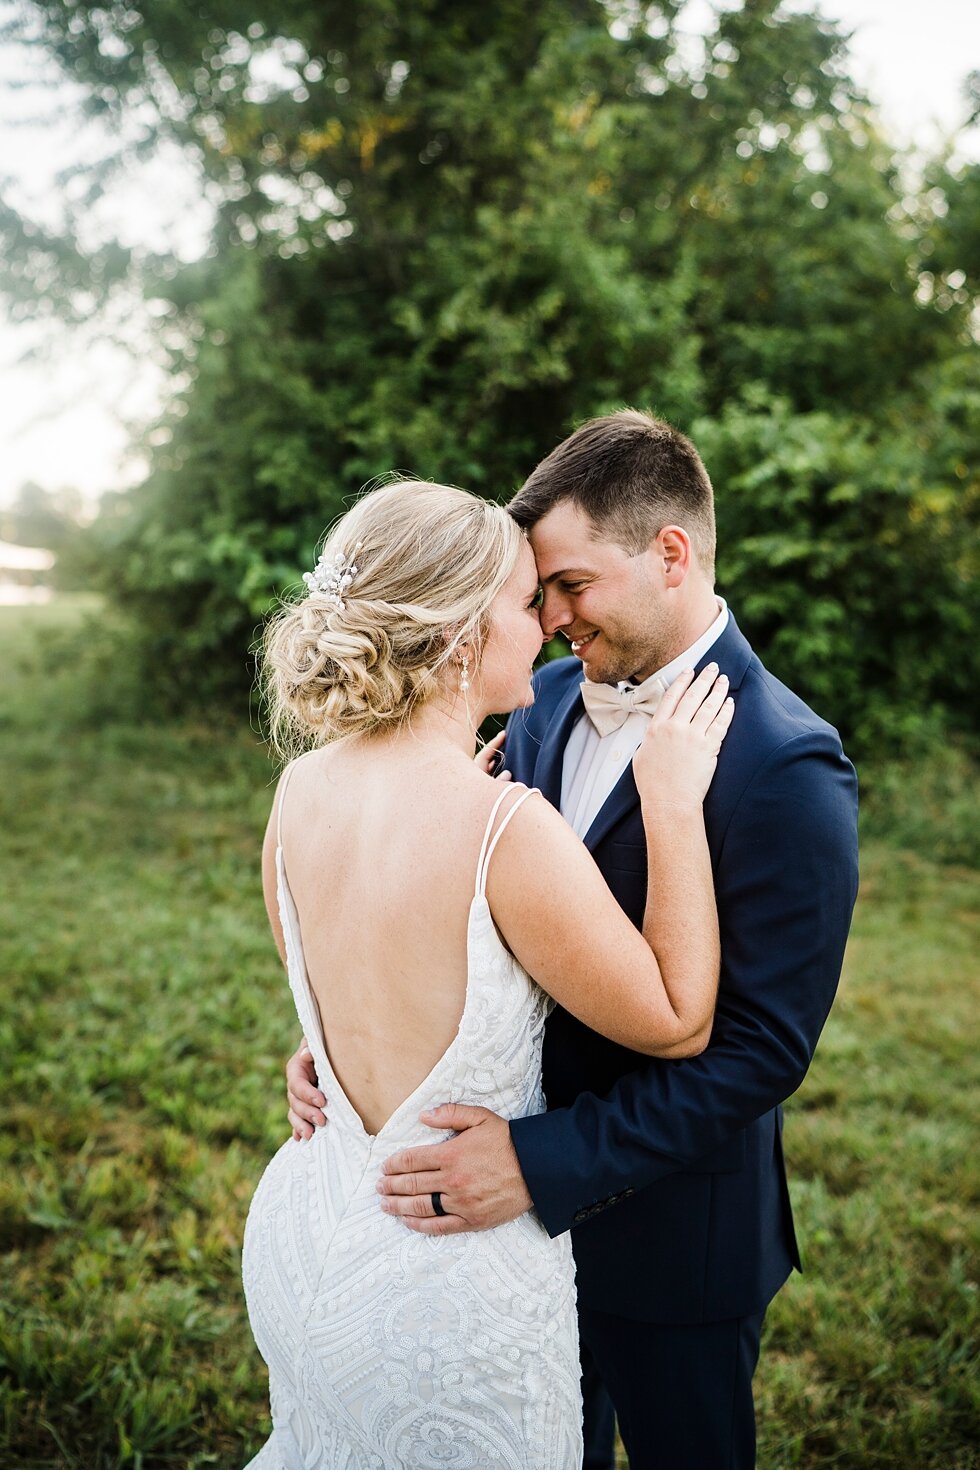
676,759
486,757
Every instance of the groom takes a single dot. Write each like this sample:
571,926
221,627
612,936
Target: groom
669,1173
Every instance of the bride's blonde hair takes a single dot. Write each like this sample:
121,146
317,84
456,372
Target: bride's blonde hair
430,560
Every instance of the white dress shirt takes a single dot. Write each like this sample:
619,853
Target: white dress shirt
593,763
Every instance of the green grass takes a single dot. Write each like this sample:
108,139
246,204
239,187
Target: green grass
144,1024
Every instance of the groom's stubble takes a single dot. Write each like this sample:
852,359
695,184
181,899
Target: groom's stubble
637,637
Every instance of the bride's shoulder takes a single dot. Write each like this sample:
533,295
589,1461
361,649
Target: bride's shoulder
292,769
299,778
535,829
486,799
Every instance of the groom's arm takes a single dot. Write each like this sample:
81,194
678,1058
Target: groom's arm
786,884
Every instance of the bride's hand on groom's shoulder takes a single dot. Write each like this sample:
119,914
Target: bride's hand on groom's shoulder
476,1175
677,756
306,1101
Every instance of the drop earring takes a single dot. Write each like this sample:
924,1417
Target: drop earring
464,673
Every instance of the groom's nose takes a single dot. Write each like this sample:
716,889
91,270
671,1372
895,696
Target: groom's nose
555,613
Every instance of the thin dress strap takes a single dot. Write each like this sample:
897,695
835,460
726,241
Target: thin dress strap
486,851
283,783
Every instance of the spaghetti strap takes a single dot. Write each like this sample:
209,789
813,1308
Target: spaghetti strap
480,866
486,851
283,783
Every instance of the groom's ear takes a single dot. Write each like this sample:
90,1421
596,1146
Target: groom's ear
672,555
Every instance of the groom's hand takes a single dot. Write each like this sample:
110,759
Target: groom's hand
476,1174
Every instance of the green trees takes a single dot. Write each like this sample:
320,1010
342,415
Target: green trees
444,235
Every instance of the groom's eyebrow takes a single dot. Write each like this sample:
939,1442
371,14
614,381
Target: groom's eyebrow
565,572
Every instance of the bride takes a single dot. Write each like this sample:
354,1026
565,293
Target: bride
412,898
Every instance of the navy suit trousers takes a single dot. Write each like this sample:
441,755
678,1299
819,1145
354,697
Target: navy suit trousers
682,1394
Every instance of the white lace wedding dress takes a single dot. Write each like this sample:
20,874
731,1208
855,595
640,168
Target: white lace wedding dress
390,1350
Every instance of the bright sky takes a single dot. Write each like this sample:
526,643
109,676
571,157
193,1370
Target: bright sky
69,417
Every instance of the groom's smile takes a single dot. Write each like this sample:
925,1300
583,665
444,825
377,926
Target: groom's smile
582,643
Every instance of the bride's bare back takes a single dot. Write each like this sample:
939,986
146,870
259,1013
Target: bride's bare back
380,848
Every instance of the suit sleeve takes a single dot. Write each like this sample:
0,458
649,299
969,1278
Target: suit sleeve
523,740
786,881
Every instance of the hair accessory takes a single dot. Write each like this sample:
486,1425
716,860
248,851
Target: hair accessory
331,579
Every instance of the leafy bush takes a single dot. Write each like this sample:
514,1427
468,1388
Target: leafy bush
440,243
849,550
926,803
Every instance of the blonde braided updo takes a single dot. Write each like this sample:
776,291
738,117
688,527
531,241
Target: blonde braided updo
430,561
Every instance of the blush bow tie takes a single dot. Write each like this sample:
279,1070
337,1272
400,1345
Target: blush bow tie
609,707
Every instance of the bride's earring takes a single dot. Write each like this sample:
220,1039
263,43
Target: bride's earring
464,673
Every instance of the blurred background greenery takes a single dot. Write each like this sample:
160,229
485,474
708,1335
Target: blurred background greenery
442,235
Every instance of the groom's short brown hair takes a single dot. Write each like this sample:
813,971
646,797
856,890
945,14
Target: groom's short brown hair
632,474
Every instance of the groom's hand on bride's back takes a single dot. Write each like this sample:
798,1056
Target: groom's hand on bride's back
306,1101
476,1175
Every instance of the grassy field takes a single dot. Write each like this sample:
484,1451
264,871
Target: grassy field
144,1023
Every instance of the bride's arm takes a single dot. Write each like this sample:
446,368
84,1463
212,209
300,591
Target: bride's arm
653,991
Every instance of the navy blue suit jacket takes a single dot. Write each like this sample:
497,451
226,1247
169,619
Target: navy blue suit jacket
671,1172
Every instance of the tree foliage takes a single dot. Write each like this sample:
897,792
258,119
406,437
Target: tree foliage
444,235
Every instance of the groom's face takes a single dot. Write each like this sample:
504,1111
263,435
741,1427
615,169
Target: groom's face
608,602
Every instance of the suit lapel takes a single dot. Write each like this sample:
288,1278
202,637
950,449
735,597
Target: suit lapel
731,653
548,766
618,804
